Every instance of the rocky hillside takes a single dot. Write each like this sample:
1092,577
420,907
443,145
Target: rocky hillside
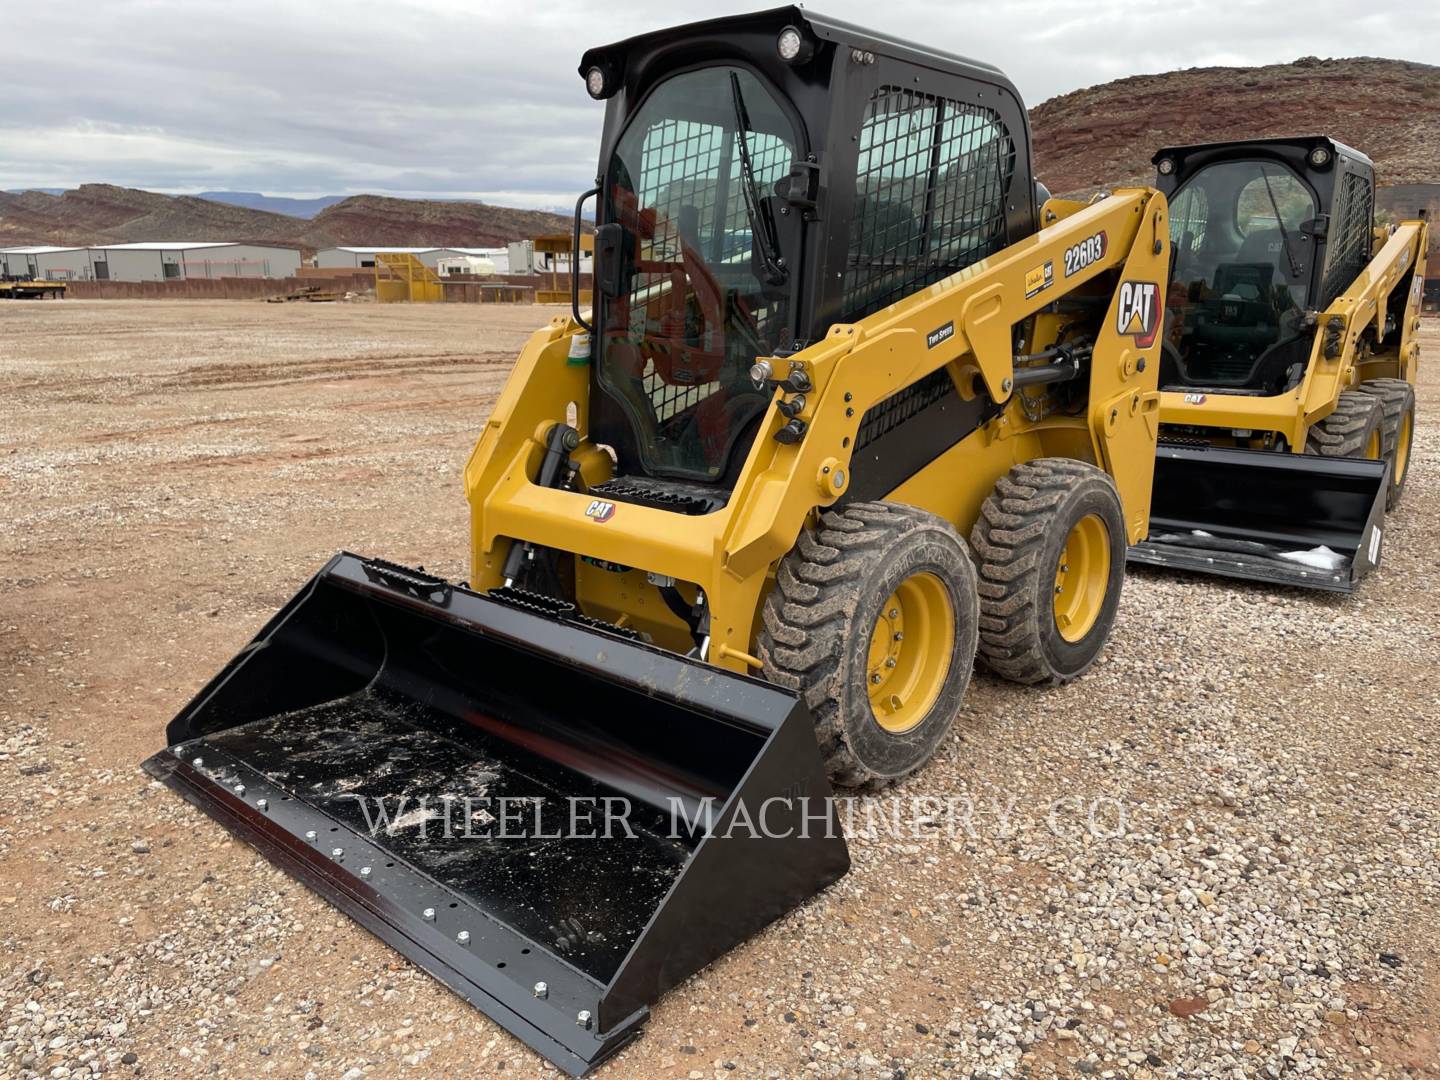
103,213
386,221
1104,136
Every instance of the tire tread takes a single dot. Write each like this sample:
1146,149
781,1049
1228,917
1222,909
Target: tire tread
1009,537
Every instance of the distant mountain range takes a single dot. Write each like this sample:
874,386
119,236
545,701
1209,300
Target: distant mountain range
105,213
275,204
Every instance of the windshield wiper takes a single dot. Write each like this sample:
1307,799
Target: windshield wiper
1284,236
762,221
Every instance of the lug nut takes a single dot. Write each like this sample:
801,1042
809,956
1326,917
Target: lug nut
463,937
364,871
898,636
239,789
894,613
263,804
310,835
542,990
875,678
428,914
890,662
583,1018
337,853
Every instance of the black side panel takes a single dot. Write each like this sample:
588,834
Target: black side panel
907,431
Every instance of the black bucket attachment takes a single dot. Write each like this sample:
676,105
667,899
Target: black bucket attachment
513,797
1288,519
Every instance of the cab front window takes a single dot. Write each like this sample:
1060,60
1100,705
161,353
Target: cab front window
1236,298
701,288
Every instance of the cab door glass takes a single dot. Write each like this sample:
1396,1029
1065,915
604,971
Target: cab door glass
692,305
1239,287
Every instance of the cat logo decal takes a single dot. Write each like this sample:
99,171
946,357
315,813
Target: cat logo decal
1138,312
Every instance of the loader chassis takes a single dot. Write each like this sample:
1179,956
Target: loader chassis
855,368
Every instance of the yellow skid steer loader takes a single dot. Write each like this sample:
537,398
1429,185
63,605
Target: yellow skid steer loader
843,416
1290,351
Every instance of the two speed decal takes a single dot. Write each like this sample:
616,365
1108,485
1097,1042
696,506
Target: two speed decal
1086,253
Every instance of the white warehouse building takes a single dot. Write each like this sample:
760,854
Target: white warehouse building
363,258
155,261
41,263
170,261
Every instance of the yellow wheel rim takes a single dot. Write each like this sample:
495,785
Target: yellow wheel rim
1082,577
910,650
1402,448
1372,446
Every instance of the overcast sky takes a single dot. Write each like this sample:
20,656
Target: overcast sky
480,99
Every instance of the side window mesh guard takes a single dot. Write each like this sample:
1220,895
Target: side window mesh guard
1350,237
930,190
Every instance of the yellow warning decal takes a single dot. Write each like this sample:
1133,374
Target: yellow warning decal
1039,279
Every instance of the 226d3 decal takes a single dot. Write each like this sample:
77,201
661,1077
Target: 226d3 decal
1085,253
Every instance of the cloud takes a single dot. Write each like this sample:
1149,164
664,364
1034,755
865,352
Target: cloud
459,97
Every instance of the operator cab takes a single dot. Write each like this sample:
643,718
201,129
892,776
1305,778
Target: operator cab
763,177
1265,234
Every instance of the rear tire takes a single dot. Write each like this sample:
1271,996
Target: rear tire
1397,430
873,619
1353,430
1051,540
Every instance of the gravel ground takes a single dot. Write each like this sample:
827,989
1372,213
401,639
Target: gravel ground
1217,855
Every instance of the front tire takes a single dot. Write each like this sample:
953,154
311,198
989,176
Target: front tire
1397,429
1051,540
1354,429
873,619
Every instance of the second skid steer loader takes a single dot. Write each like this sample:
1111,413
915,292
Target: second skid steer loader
1290,351
843,416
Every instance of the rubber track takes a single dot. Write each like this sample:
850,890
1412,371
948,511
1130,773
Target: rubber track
1008,537
812,603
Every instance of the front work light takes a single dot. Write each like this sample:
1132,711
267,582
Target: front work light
793,46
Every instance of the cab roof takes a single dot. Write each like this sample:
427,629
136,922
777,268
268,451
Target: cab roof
1300,142
822,27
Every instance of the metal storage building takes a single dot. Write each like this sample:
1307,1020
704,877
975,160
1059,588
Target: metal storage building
175,260
44,263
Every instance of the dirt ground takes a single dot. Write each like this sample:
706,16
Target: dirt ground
1218,854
